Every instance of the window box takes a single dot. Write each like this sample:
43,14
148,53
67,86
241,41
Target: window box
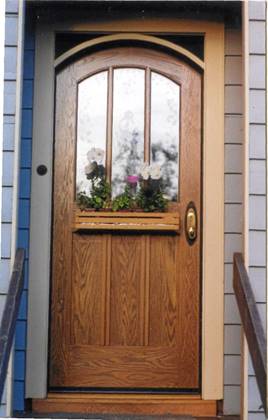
168,221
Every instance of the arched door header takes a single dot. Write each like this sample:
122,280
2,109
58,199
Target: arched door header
129,37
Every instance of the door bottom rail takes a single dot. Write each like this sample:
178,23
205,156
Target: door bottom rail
129,404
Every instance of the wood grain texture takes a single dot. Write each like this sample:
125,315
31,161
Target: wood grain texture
109,129
188,257
124,367
126,404
125,305
127,276
88,289
147,116
168,221
108,289
163,318
66,90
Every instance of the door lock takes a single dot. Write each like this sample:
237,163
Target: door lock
191,223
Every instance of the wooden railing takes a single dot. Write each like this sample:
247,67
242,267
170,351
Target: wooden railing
10,315
252,324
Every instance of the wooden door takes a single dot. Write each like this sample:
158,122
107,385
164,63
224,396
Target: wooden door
125,306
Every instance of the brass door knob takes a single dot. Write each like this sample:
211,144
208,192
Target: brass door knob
191,223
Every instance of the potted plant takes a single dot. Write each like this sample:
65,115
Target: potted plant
150,196
143,192
100,189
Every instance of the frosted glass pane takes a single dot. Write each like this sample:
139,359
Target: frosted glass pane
91,124
128,126
165,109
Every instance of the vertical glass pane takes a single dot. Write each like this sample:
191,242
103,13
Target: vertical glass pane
128,126
91,126
165,108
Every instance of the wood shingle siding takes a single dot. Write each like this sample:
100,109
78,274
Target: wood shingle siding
11,127
257,188
233,213
10,68
257,141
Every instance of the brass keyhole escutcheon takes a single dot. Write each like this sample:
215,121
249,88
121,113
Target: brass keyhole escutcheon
191,223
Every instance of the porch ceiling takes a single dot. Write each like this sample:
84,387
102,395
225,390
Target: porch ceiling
229,11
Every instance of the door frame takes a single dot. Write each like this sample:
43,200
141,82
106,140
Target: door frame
212,184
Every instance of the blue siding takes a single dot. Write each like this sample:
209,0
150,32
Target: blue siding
25,183
18,395
20,341
28,64
26,153
19,365
27,123
24,214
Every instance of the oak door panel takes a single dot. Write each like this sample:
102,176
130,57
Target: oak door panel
125,308
127,302
163,306
123,366
88,289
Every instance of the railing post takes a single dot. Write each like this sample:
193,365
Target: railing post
10,314
251,323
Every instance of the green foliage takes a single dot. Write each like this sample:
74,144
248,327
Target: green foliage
83,201
123,201
150,198
100,195
95,171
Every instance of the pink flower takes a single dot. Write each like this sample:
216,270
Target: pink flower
132,179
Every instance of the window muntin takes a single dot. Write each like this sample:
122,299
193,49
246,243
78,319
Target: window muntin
135,93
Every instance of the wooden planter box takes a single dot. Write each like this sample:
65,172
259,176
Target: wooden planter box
141,221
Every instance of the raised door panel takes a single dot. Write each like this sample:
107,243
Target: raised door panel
127,295
88,289
163,305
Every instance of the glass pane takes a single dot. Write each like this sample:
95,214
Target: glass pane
91,126
165,108
128,126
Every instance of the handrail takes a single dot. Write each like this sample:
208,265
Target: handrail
252,324
10,315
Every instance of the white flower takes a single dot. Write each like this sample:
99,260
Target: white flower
95,155
145,171
97,182
99,155
155,171
91,155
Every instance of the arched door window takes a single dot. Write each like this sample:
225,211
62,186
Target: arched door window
126,117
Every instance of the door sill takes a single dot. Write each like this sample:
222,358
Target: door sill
125,404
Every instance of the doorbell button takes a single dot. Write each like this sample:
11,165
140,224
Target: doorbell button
41,170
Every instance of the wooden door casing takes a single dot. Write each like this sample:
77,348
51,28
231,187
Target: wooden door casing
125,308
